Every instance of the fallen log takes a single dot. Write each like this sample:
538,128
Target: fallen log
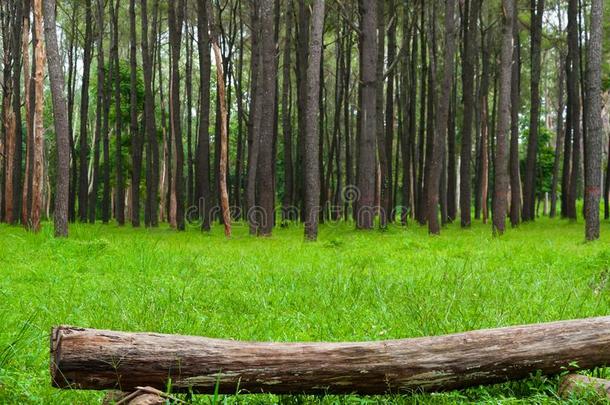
103,359
576,384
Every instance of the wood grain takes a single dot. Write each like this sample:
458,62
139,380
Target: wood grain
103,359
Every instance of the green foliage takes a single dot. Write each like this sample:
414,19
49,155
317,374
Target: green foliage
348,286
544,158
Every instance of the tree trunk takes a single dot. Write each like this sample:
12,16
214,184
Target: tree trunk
365,176
501,180
575,106
594,137
134,128
515,175
264,174
224,192
287,200
468,61
175,19
150,128
60,120
529,187
86,359
312,123
442,112
29,96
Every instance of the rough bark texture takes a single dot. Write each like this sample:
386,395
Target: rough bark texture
515,172
265,189
312,123
468,60
575,106
365,176
38,138
529,187
60,114
222,170
150,128
442,113
501,181
89,359
175,19
593,140
134,127
83,174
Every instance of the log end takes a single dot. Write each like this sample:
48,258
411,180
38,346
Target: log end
58,380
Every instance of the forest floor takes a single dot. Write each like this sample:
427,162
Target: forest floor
348,286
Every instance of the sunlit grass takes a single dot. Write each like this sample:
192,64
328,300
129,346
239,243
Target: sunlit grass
349,285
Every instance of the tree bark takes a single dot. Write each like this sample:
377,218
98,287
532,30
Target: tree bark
501,172
442,113
515,172
134,128
575,105
150,128
86,359
264,174
593,141
312,123
529,187
288,199
83,175
175,19
224,192
365,176
60,120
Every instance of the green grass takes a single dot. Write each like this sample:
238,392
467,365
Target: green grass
349,285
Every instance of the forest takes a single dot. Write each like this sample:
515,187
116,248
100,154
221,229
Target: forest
279,112
452,154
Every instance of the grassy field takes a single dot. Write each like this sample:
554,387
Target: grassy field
348,286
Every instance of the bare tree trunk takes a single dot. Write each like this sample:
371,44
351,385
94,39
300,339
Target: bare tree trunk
529,187
575,106
120,186
86,358
502,180
287,201
468,60
224,192
594,137
83,180
134,128
60,119
365,176
312,123
438,149
515,175
29,96
560,135
264,174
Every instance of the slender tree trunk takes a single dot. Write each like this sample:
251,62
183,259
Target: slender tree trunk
29,96
438,149
312,162
150,128
383,186
529,189
515,175
575,106
134,128
120,187
202,160
254,119
287,200
60,115
264,174
468,61
559,134
83,176
501,172
38,134
175,19
593,142
365,177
